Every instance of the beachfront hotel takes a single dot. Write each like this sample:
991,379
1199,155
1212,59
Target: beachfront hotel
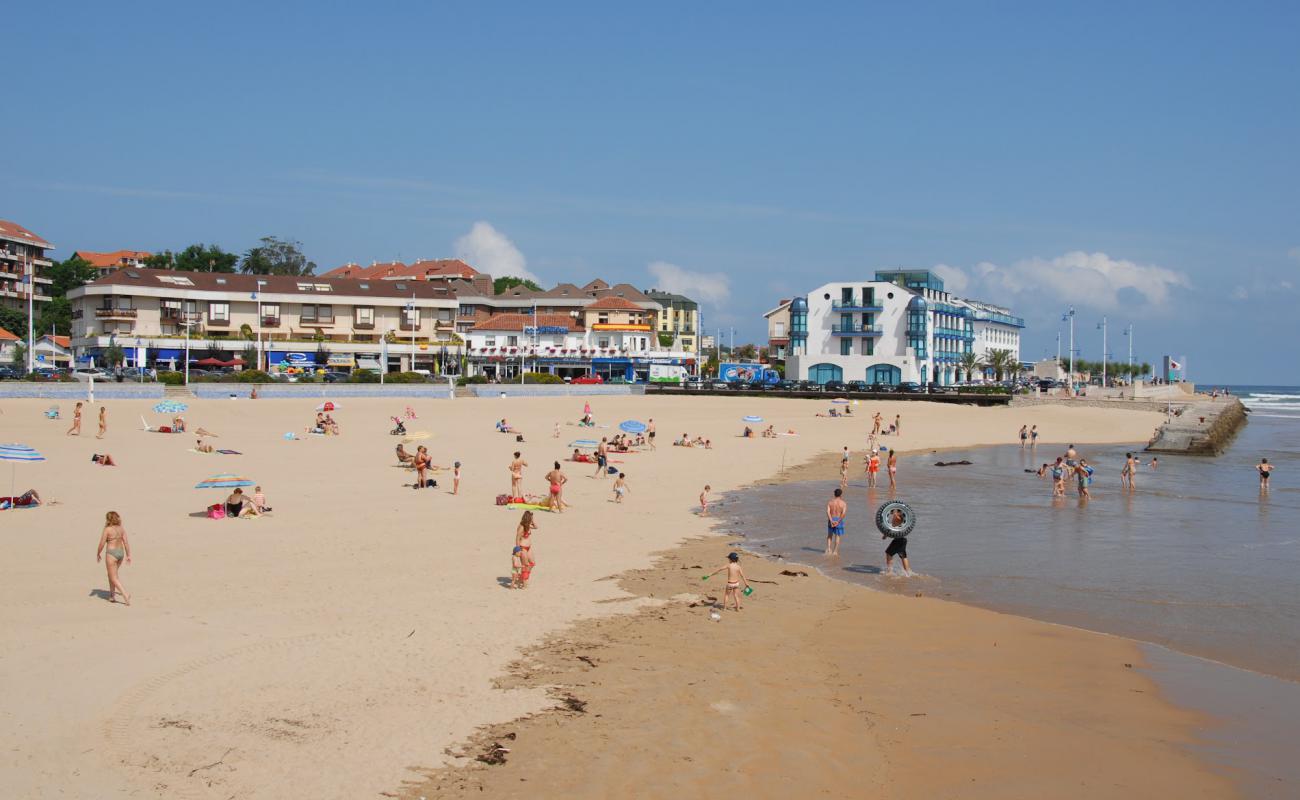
903,326
20,249
443,319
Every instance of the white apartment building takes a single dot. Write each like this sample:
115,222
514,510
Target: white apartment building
161,317
903,326
21,250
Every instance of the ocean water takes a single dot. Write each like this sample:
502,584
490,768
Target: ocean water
1196,559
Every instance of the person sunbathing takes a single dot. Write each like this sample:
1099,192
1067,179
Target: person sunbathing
104,461
504,427
203,448
27,499
178,425
749,432
404,457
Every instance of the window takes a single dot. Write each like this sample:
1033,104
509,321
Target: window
603,319
512,341
868,346
846,346
364,315
444,315
316,314
271,311
779,329
218,312
466,311
603,342
411,318
489,341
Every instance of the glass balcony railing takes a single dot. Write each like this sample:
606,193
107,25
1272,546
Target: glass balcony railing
856,304
856,330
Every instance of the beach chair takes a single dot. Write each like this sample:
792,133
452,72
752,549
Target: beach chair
147,428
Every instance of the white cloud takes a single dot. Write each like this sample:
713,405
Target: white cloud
707,287
1240,293
954,279
487,249
1087,279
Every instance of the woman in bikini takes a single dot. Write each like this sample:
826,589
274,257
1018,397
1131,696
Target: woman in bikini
556,478
524,540
114,544
422,462
103,422
75,430
892,465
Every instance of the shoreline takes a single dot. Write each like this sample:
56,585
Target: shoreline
603,674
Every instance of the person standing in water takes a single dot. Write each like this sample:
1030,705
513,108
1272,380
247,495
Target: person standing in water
114,544
1024,436
1128,475
873,468
1058,477
1265,471
892,466
1084,473
1033,436
836,511
897,546
75,430
704,500
103,422
844,468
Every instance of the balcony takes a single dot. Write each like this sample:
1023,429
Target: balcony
358,325
856,330
407,325
270,322
315,322
218,322
856,304
115,313
952,333
915,332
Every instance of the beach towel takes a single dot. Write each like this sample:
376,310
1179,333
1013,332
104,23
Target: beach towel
230,452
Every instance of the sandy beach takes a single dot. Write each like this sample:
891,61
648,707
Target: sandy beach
343,645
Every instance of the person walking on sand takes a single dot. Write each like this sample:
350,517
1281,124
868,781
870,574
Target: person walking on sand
602,457
516,567
892,466
898,424
422,462
455,478
75,430
556,433
556,478
898,546
1024,436
1265,472
524,541
620,487
650,433
836,512
704,500
114,544
1128,475
103,422
517,476
735,580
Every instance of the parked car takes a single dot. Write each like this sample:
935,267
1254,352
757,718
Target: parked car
910,387
92,372
589,379
856,386
809,386
787,385
134,374
719,386
937,388
833,386
336,377
9,373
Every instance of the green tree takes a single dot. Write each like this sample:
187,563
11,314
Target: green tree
113,355
69,274
1000,362
665,339
250,357
18,356
14,320
499,285
970,363
276,257
747,352
195,258
56,315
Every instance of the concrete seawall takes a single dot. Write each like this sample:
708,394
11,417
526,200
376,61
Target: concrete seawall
1204,428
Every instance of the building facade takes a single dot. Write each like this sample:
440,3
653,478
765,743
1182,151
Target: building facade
160,317
22,251
678,316
903,326
778,331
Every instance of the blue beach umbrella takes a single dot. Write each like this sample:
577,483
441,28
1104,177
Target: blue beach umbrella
170,407
632,426
583,444
751,419
840,400
15,453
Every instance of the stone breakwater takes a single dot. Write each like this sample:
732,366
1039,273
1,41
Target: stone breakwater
1203,428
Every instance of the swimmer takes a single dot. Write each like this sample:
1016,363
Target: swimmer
1155,462
735,577
844,469
1265,471
873,468
1084,474
1033,436
836,512
1024,436
897,547
1058,477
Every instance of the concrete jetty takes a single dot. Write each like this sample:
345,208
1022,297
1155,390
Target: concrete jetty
1202,427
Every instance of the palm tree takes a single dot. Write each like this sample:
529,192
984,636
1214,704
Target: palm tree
969,363
999,361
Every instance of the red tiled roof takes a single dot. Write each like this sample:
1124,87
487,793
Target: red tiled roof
114,259
16,232
396,269
62,341
615,304
6,336
517,322
273,284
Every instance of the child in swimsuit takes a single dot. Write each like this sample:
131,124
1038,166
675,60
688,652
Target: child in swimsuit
1265,471
620,488
735,578
516,567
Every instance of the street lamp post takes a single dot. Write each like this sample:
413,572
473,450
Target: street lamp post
1070,317
1102,327
411,318
1128,334
257,295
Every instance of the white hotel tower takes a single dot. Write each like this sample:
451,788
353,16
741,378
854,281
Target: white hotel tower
901,327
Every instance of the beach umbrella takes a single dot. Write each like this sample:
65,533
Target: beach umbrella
328,405
170,407
415,436
583,444
841,400
751,419
632,426
211,362
15,453
225,480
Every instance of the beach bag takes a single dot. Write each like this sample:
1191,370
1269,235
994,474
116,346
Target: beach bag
502,499
217,511
165,429
612,470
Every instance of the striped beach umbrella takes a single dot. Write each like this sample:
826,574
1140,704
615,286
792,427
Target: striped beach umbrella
584,444
840,400
225,480
15,453
751,419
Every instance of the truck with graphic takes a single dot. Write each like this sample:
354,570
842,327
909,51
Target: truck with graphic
667,373
747,373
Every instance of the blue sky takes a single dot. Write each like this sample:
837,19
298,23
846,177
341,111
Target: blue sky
1136,160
